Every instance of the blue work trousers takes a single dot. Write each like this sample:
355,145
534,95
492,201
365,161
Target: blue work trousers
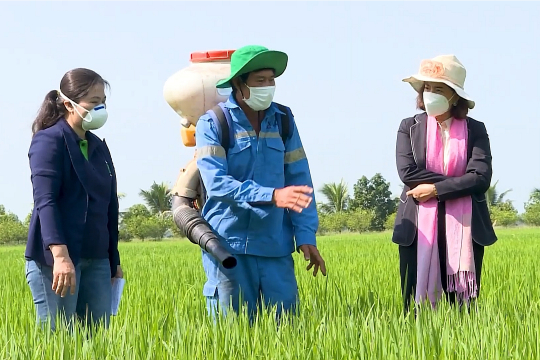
255,280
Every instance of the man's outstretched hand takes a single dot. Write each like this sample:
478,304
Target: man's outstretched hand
315,259
295,198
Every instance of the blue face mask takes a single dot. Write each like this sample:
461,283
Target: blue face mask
93,119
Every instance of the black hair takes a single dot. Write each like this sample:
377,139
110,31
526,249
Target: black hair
75,84
243,78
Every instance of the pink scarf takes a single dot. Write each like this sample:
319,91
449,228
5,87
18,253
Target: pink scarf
459,254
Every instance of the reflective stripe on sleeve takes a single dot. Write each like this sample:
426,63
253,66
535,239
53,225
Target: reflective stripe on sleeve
211,150
295,155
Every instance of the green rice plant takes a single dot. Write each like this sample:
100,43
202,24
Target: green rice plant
353,313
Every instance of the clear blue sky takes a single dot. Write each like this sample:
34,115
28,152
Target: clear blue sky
343,82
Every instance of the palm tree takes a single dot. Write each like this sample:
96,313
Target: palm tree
493,198
121,195
158,198
337,197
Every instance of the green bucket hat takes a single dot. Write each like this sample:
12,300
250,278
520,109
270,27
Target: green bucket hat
252,58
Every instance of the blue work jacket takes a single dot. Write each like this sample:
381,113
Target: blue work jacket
241,182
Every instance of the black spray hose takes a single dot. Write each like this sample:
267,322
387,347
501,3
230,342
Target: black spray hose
198,231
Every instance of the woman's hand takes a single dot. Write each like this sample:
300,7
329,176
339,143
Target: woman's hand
423,192
64,275
119,272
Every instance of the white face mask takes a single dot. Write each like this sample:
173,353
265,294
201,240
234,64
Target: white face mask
436,104
260,98
94,119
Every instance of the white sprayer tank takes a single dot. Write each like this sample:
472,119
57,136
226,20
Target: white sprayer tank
192,91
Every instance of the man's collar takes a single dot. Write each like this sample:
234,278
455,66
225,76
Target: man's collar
231,102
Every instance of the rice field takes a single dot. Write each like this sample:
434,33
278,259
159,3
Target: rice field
353,313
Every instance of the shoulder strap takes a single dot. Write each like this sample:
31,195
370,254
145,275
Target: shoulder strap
286,124
221,115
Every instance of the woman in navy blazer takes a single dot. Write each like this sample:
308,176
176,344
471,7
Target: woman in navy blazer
72,250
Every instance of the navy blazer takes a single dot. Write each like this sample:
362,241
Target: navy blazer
61,195
411,167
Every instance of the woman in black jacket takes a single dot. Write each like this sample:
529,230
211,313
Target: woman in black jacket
443,158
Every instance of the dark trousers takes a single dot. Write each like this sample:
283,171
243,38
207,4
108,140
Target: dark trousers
408,262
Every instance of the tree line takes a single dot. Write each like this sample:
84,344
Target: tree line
371,208
149,220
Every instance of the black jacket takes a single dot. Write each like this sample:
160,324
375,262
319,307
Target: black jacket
411,167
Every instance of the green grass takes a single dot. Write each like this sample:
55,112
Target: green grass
354,313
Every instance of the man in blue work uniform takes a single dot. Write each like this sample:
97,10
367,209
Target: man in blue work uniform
260,196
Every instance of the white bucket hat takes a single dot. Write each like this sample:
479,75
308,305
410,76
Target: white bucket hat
446,69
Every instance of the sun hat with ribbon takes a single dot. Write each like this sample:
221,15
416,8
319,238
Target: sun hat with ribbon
446,69
254,57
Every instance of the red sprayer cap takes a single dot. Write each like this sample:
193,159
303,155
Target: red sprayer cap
207,56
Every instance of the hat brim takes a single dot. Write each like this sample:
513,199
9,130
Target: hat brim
417,82
269,59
